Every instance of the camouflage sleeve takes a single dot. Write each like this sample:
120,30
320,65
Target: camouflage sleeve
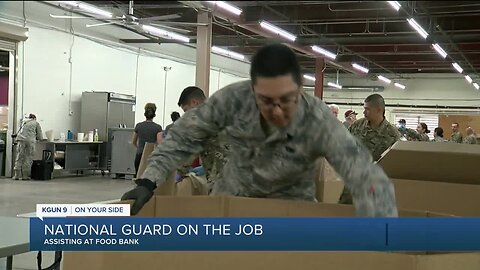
372,191
39,132
189,135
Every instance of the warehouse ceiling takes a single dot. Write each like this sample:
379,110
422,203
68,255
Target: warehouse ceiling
370,33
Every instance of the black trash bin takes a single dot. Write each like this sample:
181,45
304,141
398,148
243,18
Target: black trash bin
43,169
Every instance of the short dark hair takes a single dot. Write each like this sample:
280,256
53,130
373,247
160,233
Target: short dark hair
275,60
189,93
174,116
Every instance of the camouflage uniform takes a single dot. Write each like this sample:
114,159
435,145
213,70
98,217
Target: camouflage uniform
214,157
423,137
439,139
408,133
456,137
377,140
26,137
470,139
281,165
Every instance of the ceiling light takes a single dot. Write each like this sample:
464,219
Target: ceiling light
227,7
308,77
278,31
469,79
385,79
228,53
417,27
362,69
401,86
439,50
395,5
324,52
334,85
88,8
476,85
457,67
164,33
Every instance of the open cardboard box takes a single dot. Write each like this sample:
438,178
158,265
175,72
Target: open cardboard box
329,185
439,177
205,206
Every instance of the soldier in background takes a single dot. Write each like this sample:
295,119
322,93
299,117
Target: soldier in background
407,134
374,131
456,135
471,137
422,131
215,153
276,133
438,135
30,131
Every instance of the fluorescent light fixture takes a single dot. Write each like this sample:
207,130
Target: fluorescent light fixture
395,5
88,8
417,27
308,77
457,67
469,79
227,7
385,79
401,86
324,52
476,85
228,53
278,31
164,33
334,85
440,50
362,69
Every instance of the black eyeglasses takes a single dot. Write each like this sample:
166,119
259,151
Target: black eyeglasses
283,102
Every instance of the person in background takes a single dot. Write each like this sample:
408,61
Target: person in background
438,135
174,116
456,135
29,132
277,132
471,137
334,109
407,134
146,132
374,131
214,156
422,131
350,118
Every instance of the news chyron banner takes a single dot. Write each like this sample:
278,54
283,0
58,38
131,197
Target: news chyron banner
109,228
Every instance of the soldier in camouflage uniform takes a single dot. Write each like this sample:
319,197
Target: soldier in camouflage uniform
216,149
471,138
406,133
374,131
29,132
422,131
276,133
456,135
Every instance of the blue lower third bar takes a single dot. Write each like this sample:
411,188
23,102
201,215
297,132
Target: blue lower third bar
255,234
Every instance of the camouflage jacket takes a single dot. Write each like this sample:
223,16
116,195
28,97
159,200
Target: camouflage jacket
470,139
30,131
214,156
456,137
408,133
281,165
377,140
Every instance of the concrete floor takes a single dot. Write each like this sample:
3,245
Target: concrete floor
17,197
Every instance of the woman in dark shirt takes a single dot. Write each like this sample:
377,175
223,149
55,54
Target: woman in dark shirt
146,132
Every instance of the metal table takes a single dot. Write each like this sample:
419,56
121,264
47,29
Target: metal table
14,238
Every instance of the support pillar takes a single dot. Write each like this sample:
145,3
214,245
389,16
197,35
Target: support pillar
204,44
319,65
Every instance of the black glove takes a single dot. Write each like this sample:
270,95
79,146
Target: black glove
141,194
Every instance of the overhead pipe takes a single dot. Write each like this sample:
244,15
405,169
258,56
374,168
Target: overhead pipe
239,21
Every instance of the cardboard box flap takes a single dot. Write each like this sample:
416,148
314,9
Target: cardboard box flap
442,162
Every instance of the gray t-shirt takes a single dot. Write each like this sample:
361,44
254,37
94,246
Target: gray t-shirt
147,132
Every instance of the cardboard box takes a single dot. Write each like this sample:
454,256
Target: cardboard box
147,151
329,185
440,177
204,206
